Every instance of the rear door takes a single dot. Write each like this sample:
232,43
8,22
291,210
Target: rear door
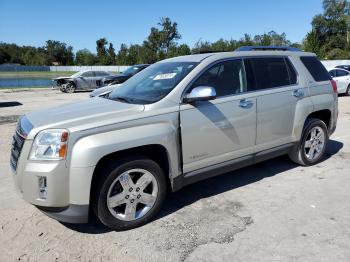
223,129
97,80
342,78
275,82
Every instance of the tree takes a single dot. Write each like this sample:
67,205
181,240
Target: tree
102,56
161,40
85,57
329,31
179,50
59,52
122,55
111,54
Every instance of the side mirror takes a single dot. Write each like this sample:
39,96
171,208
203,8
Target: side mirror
200,93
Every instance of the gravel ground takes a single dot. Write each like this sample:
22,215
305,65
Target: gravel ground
272,211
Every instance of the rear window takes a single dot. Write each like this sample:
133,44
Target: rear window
269,72
316,69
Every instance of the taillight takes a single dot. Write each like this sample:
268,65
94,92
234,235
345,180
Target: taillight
334,85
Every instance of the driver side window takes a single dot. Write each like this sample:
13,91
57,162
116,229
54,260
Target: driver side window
88,74
228,78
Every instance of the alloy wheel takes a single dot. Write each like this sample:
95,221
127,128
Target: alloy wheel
314,143
132,194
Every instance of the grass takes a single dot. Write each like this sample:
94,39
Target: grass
15,89
44,74
23,74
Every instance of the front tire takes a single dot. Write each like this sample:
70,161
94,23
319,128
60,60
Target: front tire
129,193
312,145
70,88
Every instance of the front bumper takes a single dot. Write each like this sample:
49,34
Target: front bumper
69,214
68,189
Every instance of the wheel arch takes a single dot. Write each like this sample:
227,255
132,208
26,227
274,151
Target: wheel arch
324,115
156,152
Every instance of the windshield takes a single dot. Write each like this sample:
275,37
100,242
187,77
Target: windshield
76,74
131,70
152,83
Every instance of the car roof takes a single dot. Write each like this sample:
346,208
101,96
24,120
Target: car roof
220,55
140,65
336,68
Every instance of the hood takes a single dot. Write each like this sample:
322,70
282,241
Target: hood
62,77
121,75
103,90
84,114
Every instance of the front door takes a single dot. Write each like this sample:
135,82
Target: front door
223,129
85,80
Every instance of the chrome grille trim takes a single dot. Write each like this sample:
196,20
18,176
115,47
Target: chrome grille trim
22,130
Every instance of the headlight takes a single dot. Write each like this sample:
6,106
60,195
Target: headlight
50,145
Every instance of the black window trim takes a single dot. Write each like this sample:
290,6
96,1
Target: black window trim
276,87
242,58
189,85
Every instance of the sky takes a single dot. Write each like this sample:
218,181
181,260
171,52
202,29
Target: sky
80,23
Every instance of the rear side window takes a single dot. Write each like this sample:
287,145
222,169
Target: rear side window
342,73
316,69
88,74
100,73
269,72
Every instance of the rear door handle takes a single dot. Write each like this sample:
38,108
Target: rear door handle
298,93
244,103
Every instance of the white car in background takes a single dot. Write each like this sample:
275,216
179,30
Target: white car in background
342,77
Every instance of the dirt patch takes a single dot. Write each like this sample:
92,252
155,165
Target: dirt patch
9,119
203,223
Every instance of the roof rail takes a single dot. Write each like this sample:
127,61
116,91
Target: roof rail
209,51
268,48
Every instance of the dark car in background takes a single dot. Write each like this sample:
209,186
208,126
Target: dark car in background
345,67
87,80
122,77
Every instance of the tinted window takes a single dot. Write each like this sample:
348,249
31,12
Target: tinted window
269,72
88,74
227,78
101,73
342,73
316,69
332,73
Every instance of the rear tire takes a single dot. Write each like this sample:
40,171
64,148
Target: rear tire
312,146
122,199
347,92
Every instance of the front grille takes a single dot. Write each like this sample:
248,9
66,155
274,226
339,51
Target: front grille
18,141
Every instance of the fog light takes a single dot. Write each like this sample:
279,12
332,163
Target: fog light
42,187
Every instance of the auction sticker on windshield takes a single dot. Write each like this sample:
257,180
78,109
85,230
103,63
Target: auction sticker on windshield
164,76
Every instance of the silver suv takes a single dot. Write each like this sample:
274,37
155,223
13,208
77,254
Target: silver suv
179,121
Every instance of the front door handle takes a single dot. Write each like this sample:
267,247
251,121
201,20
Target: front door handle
298,93
244,103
